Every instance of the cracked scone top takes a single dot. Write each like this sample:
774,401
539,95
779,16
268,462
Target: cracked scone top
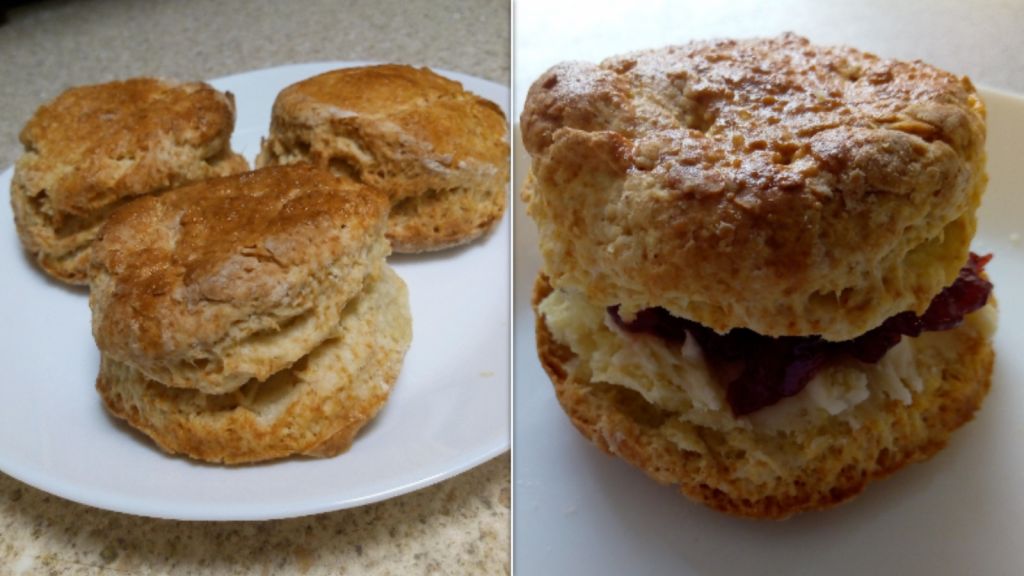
213,284
768,184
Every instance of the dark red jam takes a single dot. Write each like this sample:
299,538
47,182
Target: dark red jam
775,368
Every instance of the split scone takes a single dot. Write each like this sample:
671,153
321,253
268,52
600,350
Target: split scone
756,276
96,147
440,152
249,317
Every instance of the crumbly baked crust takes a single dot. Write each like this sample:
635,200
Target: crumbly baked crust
769,184
95,147
315,407
768,474
440,152
210,285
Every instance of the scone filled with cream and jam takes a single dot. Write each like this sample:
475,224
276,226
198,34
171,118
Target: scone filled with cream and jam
757,283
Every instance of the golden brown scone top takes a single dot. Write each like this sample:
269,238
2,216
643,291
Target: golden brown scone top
699,176
184,266
96,144
781,95
425,106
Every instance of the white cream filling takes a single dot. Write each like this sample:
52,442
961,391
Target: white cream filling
676,376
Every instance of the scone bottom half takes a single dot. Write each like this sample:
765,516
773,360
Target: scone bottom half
95,148
440,152
665,407
709,307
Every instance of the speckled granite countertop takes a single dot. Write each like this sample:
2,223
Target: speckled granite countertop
460,526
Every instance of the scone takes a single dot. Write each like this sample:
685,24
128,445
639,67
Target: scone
96,147
231,279
756,274
315,407
440,152
249,317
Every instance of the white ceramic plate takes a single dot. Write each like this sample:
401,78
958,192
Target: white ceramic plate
448,411
578,511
